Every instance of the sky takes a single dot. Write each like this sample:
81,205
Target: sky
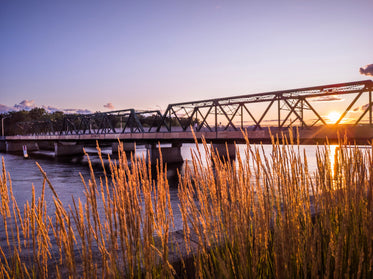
92,55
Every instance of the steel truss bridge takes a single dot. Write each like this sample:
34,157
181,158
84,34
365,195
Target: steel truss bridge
220,114
112,122
294,102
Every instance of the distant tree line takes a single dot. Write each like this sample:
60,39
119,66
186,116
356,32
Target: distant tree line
12,118
38,120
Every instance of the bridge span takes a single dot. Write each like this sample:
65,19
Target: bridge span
219,121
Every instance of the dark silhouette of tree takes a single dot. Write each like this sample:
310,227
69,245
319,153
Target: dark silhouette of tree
38,120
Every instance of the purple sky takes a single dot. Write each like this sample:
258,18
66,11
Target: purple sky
104,55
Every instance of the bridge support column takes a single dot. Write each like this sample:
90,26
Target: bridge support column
12,146
225,150
67,149
46,145
169,154
2,146
127,147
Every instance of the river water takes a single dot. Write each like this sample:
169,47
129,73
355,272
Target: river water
66,180
65,176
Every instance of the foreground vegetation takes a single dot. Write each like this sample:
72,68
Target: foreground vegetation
258,216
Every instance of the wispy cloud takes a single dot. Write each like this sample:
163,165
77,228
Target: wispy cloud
333,98
30,104
367,70
4,108
25,105
361,108
109,106
78,111
51,109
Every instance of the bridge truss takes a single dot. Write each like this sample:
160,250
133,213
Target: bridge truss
289,107
112,122
295,107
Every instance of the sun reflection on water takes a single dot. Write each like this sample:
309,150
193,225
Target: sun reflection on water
333,153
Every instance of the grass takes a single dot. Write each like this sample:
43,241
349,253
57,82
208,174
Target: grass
256,216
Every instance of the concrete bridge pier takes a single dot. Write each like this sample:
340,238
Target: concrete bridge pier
169,154
225,150
2,146
67,149
127,147
46,145
12,146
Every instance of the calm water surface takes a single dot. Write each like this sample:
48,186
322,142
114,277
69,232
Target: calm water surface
65,176
66,180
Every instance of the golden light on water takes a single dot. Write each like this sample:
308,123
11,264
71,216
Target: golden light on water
333,117
332,157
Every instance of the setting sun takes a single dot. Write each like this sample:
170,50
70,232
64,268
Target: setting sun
333,116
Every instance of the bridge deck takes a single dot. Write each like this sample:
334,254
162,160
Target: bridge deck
360,134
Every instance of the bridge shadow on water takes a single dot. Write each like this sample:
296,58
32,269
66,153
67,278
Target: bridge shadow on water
174,170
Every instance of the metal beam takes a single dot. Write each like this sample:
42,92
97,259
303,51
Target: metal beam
264,114
315,112
294,110
349,107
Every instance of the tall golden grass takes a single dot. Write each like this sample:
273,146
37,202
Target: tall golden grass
255,216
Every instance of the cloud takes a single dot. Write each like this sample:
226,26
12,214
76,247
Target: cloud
332,98
78,111
51,109
109,106
367,70
25,105
4,108
30,104
361,109
83,111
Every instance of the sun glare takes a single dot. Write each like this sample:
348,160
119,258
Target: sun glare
333,116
